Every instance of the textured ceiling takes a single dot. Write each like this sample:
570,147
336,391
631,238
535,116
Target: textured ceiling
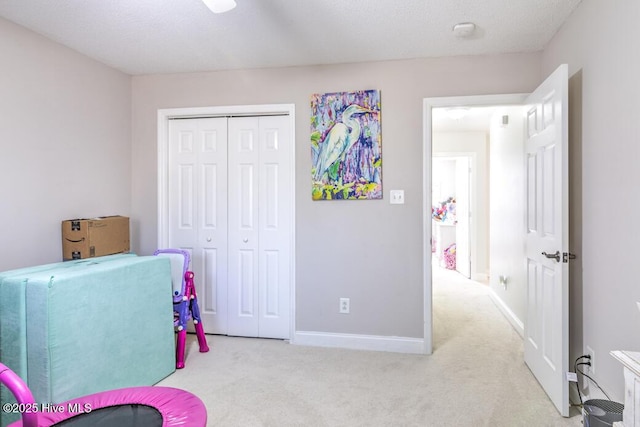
168,36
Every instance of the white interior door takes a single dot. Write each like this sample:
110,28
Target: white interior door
463,215
547,325
259,206
229,202
198,209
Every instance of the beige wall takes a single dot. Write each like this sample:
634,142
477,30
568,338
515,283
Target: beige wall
369,251
600,44
65,135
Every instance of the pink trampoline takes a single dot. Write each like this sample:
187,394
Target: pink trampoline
127,407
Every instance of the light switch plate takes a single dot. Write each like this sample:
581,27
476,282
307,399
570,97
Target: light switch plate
396,197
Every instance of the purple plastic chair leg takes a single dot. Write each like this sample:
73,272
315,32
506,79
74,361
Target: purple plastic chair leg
182,338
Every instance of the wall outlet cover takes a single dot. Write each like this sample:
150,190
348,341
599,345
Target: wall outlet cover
345,305
397,197
590,369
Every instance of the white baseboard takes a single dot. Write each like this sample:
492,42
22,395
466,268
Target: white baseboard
360,342
510,315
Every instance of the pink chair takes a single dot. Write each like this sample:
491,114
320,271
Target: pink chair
126,407
185,301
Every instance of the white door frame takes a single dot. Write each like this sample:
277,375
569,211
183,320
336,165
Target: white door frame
164,115
428,105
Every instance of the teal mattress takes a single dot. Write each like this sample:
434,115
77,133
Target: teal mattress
13,330
85,326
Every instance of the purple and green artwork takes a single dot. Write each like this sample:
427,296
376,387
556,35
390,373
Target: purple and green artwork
346,144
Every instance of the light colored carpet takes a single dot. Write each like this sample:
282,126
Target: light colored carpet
475,377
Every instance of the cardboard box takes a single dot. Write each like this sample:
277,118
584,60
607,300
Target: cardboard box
87,238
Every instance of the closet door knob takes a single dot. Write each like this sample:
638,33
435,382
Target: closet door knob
208,239
245,240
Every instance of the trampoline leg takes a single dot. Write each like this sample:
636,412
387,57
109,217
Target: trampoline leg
182,338
202,340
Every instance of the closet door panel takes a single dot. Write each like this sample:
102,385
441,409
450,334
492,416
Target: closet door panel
230,207
243,232
198,209
275,200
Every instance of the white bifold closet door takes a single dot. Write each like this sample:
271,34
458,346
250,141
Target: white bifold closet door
230,196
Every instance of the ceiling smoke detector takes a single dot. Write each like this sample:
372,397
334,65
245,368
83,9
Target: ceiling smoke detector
464,29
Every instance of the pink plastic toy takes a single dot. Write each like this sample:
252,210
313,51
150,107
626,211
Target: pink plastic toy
185,301
134,406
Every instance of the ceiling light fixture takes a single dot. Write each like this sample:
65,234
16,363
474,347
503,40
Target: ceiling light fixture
456,113
220,6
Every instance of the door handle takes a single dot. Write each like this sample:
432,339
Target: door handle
556,255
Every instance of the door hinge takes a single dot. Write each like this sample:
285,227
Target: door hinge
566,256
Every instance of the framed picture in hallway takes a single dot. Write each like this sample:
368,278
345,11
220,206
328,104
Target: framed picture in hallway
346,146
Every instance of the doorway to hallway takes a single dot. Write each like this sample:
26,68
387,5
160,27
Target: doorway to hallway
544,225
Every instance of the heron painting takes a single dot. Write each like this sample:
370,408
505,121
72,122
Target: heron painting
346,145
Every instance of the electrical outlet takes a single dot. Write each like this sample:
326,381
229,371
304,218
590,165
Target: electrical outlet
345,305
590,370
